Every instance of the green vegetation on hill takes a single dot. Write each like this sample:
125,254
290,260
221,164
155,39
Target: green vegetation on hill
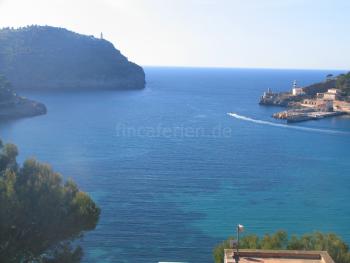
320,87
340,82
6,92
332,243
343,83
43,57
40,216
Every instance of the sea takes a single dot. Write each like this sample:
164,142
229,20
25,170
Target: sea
177,165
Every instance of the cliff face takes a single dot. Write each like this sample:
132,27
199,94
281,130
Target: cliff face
46,57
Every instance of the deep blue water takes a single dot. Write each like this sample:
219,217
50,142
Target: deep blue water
173,173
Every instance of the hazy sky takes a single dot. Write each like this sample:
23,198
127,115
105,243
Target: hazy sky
208,33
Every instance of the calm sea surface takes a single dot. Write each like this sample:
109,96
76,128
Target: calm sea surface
173,173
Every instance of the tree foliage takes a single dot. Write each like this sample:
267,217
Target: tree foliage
40,214
330,242
343,83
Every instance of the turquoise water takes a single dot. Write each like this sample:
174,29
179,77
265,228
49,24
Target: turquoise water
173,173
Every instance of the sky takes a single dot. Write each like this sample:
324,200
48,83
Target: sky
306,34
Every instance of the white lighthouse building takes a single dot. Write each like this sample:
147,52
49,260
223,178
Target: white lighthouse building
297,91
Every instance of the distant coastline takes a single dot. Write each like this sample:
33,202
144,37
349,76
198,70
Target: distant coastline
317,101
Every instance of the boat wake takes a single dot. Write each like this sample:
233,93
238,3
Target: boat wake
244,118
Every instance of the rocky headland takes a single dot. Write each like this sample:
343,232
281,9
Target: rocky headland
13,106
51,58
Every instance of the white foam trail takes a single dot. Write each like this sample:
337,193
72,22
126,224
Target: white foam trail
240,117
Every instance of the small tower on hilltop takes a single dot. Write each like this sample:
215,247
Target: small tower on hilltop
101,35
294,84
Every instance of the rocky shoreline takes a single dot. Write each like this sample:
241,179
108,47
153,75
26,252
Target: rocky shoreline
20,107
282,99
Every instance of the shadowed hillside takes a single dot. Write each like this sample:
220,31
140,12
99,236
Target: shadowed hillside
43,57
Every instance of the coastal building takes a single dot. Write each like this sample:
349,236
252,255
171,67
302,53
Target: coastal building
327,105
297,91
334,91
332,94
319,104
268,93
311,103
277,256
343,106
319,95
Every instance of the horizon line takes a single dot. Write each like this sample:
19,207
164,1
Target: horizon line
233,67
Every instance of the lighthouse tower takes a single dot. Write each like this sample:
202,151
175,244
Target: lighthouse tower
294,84
297,91
101,36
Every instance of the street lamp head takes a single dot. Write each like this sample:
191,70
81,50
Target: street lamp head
240,228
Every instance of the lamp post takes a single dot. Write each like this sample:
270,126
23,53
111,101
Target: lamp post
240,228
